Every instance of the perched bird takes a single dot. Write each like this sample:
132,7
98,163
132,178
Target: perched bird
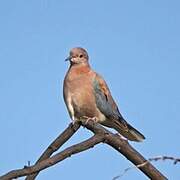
87,96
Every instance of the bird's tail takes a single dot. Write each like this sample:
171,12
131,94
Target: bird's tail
128,131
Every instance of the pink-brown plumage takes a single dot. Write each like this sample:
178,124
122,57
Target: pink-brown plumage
86,94
78,91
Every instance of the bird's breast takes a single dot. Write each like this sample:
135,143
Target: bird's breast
81,95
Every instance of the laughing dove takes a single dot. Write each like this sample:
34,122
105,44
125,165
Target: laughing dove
87,95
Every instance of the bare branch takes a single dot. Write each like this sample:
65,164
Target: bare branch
175,160
101,135
127,150
54,159
56,144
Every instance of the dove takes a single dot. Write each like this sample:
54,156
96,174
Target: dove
87,96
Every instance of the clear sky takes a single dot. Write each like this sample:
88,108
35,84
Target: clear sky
135,45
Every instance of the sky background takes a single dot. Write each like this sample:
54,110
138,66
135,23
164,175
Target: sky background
134,45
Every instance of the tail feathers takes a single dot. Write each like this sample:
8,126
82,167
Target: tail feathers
128,131
137,136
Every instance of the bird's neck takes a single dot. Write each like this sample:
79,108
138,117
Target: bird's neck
79,69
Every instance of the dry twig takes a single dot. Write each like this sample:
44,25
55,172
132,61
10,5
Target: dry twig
175,160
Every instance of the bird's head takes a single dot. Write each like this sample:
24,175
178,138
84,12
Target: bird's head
78,55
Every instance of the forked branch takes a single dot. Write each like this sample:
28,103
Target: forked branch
101,135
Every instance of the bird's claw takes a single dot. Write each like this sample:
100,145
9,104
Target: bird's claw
87,119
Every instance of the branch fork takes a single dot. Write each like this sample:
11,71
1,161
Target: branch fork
101,135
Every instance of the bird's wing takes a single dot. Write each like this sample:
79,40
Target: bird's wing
104,100
108,107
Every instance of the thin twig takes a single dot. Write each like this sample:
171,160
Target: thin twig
175,160
157,158
129,168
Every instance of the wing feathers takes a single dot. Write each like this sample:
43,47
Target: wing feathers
108,107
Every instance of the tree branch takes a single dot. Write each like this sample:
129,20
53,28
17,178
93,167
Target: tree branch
101,135
56,144
54,159
127,150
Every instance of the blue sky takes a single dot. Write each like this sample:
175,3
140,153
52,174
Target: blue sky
135,45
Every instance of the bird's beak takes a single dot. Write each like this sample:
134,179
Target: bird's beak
68,58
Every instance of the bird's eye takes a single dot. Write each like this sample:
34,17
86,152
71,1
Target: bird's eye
81,56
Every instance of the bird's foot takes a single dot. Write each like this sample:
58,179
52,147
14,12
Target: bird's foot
87,119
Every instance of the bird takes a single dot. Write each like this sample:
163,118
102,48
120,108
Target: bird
87,96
